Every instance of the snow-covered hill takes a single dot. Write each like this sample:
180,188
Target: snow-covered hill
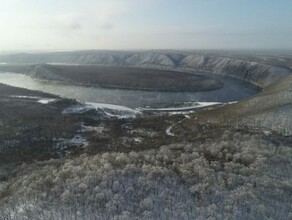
258,70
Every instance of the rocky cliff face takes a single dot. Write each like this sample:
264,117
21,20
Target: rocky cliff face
259,72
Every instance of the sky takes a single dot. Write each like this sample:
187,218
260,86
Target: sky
49,25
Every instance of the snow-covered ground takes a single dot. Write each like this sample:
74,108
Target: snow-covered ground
168,130
112,111
118,111
113,107
232,102
64,64
24,97
46,101
97,129
187,108
63,146
36,98
78,140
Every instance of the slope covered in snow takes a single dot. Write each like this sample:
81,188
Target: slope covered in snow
256,69
270,109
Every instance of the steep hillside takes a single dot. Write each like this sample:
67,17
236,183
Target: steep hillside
41,71
257,69
260,74
125,77
271,109
58,161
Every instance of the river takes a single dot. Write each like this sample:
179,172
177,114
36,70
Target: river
233,90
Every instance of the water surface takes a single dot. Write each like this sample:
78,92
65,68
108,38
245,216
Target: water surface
233,90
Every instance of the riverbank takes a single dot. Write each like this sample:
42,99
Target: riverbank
233,90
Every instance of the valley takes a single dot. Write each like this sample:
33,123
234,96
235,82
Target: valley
70,149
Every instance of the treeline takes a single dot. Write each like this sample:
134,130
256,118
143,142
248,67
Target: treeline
238,176
126,77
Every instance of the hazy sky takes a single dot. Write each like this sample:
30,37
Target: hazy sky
145,24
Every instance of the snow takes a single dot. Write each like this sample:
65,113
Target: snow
168,131
205,104
78,140
97,129
112,107
46,101
62,146
113,111
77,109
234,102
267,132
138,140
195,106
39,99
183,110
24,97
64,64
180,113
